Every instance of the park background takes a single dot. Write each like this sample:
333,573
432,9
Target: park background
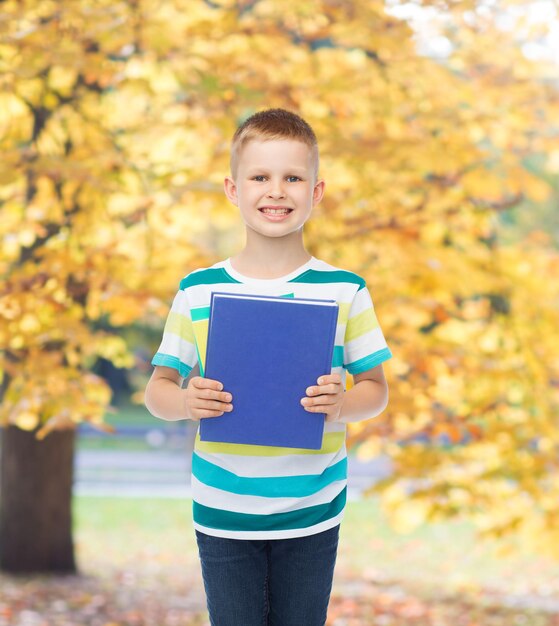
438,129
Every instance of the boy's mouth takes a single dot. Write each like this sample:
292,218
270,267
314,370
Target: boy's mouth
269,210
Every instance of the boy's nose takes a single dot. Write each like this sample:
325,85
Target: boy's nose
276,189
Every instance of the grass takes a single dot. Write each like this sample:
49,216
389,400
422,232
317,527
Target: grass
445,554
139,566
443,567
135,414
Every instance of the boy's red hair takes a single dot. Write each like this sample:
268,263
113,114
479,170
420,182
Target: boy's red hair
273,124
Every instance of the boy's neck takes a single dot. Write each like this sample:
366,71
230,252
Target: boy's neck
260,266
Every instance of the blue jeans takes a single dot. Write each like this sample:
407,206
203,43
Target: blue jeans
268,582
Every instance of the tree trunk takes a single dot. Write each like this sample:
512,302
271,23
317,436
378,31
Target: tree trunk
36,501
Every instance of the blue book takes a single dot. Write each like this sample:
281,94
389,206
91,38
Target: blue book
266,350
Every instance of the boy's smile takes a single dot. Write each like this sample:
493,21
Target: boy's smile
275,183
275,214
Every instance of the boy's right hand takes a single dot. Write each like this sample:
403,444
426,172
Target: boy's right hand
204,398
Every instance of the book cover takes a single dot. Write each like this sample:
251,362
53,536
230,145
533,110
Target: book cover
266,350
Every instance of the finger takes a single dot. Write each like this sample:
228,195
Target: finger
317,408
211,394
204,414
214,405
207,383
332,388
326,400
326,389
198,413
319,401
209,388
329,378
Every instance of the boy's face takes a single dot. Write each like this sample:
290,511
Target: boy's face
275,173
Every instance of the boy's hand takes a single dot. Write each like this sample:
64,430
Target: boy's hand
203,398
327,398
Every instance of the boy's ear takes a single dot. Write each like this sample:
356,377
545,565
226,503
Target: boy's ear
318,191
230,189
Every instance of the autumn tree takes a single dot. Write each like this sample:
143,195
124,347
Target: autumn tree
76,255
117,119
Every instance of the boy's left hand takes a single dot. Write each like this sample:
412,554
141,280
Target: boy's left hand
327,397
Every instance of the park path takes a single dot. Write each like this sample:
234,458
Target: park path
165,473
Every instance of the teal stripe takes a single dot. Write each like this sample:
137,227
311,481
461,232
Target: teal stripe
338,356
200,313
201,365
302,518
268,487
203,312
207,277
171,361
321,276
219,275
368,362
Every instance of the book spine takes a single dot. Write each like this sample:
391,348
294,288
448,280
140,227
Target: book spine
201,426
332,341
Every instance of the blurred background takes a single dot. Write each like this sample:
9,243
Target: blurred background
438,129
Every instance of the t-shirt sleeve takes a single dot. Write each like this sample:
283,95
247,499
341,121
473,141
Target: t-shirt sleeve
178,347
364,344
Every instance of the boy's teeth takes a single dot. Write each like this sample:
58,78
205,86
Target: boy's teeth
275,211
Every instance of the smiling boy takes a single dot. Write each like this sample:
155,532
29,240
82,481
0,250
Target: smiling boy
267,542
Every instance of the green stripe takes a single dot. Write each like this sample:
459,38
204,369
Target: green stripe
207,277
321,276
302,518
200,313
171,361
331,443
338,356
368,362
201,368
219,275
203,312
267,487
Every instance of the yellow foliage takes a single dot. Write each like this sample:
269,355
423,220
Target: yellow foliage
114,349
122,309
405,512
26,420
119,194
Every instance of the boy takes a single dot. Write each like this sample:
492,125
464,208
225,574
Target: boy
267,519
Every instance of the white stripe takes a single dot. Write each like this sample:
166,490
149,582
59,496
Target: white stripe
367,344
361,302
198,294
334,427
180,303
174,345
227,501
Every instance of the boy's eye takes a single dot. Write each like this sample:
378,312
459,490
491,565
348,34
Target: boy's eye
261,176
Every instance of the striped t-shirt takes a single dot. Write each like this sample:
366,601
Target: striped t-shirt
263,492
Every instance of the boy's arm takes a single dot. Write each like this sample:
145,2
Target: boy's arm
203,397
367,398
164,397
